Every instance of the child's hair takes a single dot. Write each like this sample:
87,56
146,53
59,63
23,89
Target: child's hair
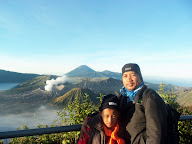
110,101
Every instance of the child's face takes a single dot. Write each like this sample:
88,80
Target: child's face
109,117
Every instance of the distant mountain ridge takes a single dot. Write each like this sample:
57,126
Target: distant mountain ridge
80,70
96,85
85,78
85,71
15,77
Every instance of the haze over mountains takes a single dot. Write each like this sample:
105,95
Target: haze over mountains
81,80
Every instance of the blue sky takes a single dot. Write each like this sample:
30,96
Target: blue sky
54,37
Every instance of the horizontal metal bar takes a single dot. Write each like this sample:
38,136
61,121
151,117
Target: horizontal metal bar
39,131
185,117
50,130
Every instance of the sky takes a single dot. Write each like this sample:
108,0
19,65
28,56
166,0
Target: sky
55,37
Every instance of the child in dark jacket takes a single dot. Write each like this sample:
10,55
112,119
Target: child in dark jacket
104,127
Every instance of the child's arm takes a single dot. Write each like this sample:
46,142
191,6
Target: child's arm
86,138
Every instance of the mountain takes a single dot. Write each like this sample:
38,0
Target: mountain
184,82
33,90
109,85
83,77
15,77
73,94
85,71
101,85
37,82
97,85
80,71
184,97
167,86
114,75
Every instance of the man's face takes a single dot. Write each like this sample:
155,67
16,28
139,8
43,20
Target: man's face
109,117
131,80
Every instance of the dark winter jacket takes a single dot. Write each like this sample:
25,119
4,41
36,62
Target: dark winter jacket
145,118
97,134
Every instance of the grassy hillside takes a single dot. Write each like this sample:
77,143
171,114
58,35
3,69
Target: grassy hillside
72,94
184,97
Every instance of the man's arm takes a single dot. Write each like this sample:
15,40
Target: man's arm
86,138
85,126
84,129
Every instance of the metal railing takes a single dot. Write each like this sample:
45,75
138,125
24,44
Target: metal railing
50,130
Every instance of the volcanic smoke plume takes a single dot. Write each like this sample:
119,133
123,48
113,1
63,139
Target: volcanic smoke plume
53,83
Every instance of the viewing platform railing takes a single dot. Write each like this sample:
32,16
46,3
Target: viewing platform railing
50,130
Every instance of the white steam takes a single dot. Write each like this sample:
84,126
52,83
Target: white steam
53,83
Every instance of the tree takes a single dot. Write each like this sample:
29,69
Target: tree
169,97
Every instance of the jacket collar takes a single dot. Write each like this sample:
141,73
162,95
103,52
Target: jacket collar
96,122
138,96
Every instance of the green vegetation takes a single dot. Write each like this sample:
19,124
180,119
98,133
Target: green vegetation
185,127
169,97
